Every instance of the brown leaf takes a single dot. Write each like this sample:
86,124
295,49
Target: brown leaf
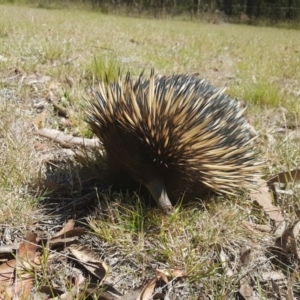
170,273
103,292
291,280
16,278
74,291
275,287
280,228
246,290
223,259
62,242
286,177
68,226
147,291
50,291
245,256
294,233
66,235
272,275
7,273
27,249
38,146
264,199
89,260
40,120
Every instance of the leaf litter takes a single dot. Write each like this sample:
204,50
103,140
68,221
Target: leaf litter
17,275
87,265
90,277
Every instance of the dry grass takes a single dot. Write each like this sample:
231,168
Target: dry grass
260,66
18,165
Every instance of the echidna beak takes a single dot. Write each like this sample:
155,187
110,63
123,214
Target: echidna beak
158,191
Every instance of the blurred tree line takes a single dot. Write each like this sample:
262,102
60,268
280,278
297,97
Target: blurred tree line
248,9
243,10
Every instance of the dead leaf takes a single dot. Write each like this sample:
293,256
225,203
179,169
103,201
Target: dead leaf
62,242
102,292
275,287
27,249
245,290
67,235
76,232
272,275
224,259
74,290
41,146
89,260
7,273
264,199
282,241
280,229
286,177
16,277
40,119
50,291
245,257
290,293
294,233
68,226
147,291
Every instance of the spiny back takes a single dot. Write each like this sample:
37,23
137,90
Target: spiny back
181,129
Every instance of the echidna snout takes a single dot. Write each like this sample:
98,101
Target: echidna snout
176,135
159,193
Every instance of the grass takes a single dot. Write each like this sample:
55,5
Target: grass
16,173
76,48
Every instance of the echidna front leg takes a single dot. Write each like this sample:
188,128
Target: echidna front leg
158,190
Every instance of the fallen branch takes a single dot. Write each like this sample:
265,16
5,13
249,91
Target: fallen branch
67,140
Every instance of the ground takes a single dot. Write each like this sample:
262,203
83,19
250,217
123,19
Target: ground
225,248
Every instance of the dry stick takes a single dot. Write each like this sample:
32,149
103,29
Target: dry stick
60,109
67,140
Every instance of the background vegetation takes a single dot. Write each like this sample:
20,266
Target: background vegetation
246,11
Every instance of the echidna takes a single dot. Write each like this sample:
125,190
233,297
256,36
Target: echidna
175,135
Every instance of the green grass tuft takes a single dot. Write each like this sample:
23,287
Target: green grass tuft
103,68
261,93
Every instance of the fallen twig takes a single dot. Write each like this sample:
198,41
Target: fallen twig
67,140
